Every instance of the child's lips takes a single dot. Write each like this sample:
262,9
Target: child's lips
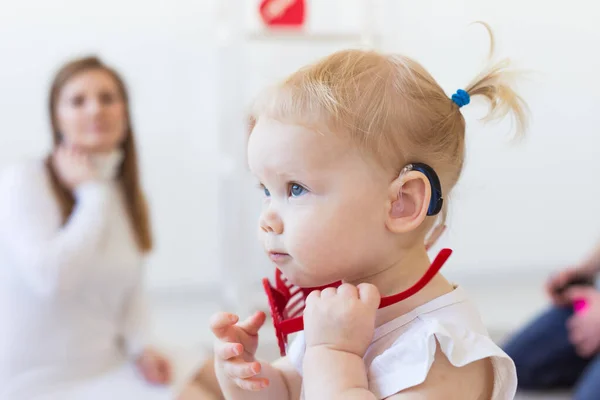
278,257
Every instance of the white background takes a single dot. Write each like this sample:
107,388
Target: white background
525,207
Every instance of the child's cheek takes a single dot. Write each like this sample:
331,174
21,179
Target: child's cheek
308,234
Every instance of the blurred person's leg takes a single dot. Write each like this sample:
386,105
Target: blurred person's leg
544,356
588,386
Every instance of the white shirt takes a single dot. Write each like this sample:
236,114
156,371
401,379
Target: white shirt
71,296
403,350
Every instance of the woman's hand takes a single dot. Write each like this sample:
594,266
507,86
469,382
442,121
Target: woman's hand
154,367
73,167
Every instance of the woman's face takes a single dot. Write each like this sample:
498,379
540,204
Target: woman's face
91,113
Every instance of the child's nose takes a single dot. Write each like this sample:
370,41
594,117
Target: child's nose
270,222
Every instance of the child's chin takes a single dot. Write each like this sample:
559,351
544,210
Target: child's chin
303,280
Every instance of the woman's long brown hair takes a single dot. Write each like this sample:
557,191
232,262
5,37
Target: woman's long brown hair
128,175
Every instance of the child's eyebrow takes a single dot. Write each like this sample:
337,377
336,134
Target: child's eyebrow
290,175
285,173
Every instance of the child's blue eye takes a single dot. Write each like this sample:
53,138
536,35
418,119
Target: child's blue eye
264,190
297,190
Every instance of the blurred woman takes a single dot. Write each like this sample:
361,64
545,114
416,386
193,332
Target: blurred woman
74,232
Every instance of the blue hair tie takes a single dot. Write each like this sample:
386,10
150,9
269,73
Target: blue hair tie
461,98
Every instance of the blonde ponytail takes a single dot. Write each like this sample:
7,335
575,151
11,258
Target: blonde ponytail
495,84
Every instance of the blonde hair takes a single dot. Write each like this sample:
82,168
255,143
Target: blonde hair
391,107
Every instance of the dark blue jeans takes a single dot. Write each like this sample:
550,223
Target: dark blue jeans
545,359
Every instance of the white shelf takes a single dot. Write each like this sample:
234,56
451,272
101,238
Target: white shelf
304,36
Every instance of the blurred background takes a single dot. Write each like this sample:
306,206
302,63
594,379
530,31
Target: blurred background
522,210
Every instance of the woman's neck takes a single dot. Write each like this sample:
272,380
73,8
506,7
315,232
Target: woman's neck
400,275
107,163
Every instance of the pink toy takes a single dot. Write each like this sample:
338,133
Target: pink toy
286,301
580,305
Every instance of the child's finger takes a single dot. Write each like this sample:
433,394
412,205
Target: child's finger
227,351
312,297
221,322
328,292
348,290
252,384
369,294
253,324
242,369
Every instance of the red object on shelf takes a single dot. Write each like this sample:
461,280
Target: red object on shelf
283,13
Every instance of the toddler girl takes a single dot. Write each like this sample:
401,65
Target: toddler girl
354,154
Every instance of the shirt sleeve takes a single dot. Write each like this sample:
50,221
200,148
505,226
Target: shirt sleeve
136,322
407,362
50,256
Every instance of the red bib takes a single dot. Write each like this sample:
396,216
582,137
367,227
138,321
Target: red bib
286,301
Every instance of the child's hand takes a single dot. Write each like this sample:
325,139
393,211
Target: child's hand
342,319
235,349
154,367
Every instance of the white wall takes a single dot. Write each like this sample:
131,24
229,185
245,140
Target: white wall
524,207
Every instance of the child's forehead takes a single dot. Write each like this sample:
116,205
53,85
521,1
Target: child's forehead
276,145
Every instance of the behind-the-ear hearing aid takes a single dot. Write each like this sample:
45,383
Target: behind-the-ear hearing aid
436,202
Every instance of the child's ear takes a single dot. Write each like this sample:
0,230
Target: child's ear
409,197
